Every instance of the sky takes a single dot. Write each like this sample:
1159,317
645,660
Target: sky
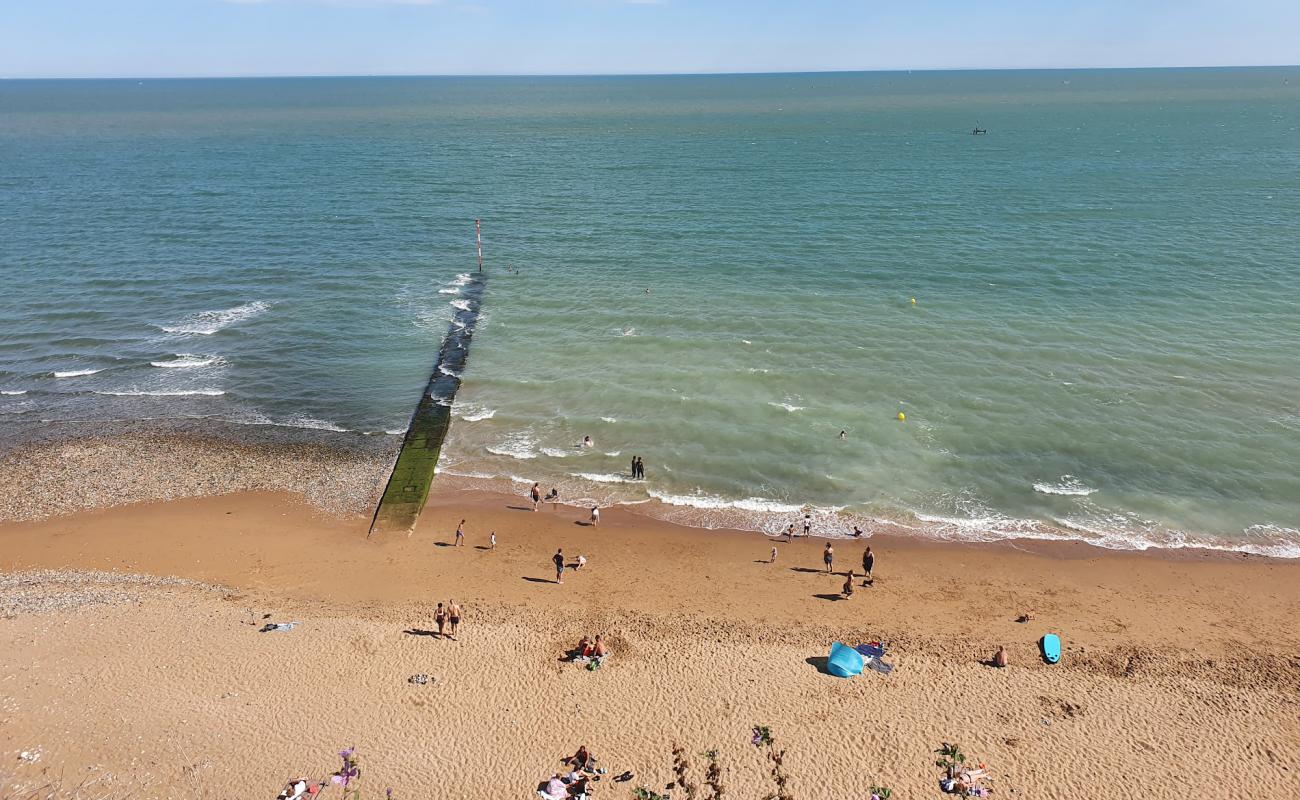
171,38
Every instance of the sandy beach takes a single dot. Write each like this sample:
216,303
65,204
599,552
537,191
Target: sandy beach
1179,671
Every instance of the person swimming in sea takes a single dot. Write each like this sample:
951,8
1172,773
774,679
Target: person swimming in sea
587,442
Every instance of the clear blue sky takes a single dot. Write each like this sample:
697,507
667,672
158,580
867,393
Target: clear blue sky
137,38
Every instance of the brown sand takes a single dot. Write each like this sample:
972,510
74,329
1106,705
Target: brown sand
1181,675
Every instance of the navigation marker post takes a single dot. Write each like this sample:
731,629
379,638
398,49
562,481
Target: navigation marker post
478,235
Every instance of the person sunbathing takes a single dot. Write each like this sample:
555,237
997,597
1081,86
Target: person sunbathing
297,789
556,789
582,759
1000,657
598,649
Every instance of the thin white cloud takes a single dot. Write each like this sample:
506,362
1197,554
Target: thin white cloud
352,3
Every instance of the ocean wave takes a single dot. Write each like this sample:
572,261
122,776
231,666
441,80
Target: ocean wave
463,305
756,504
462,279
177,393
629,332
788,407
516,445
449,290
206,323
13,392
558,452
596,477
188,361
610,420
450,373
474,413
75,373
615,453
1068,485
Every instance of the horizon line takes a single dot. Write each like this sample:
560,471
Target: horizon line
323,75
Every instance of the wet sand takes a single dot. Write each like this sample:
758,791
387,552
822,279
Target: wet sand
1179,672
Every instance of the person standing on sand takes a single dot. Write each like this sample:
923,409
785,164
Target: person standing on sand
634,475
868,561
772,560
453,616
558,559
492,540
595,516
789,532
460,534
828,556
807,524
440,617
536,494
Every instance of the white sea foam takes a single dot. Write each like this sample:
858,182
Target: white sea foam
463,305
178,393
788,407
474,413
1068,485
757,504
600,478
206,323
746,341
451,373
610,420
395,432
615,453
629,331
518,445
461,279
449,290
13,392
188,361
759,369
75,373
557,452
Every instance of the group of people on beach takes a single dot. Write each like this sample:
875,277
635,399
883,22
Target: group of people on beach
638,469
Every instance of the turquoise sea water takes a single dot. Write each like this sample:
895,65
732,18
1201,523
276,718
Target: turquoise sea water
1105,343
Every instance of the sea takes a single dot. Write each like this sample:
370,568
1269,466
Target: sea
1088,316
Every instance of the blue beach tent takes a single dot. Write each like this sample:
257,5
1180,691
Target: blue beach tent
844,661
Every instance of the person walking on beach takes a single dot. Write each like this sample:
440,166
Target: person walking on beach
492,540
453,616
595,516
868,561
828,556
789,532
460,534
772,560
440,617
558,560
536,494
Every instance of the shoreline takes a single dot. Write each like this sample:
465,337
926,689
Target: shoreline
708,640
88,468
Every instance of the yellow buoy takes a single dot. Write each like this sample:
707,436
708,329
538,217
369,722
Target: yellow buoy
902,417
913,301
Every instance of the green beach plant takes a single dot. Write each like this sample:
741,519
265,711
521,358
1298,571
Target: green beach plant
951,758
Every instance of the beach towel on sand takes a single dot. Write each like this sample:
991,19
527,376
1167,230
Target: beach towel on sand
872,650
844,661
